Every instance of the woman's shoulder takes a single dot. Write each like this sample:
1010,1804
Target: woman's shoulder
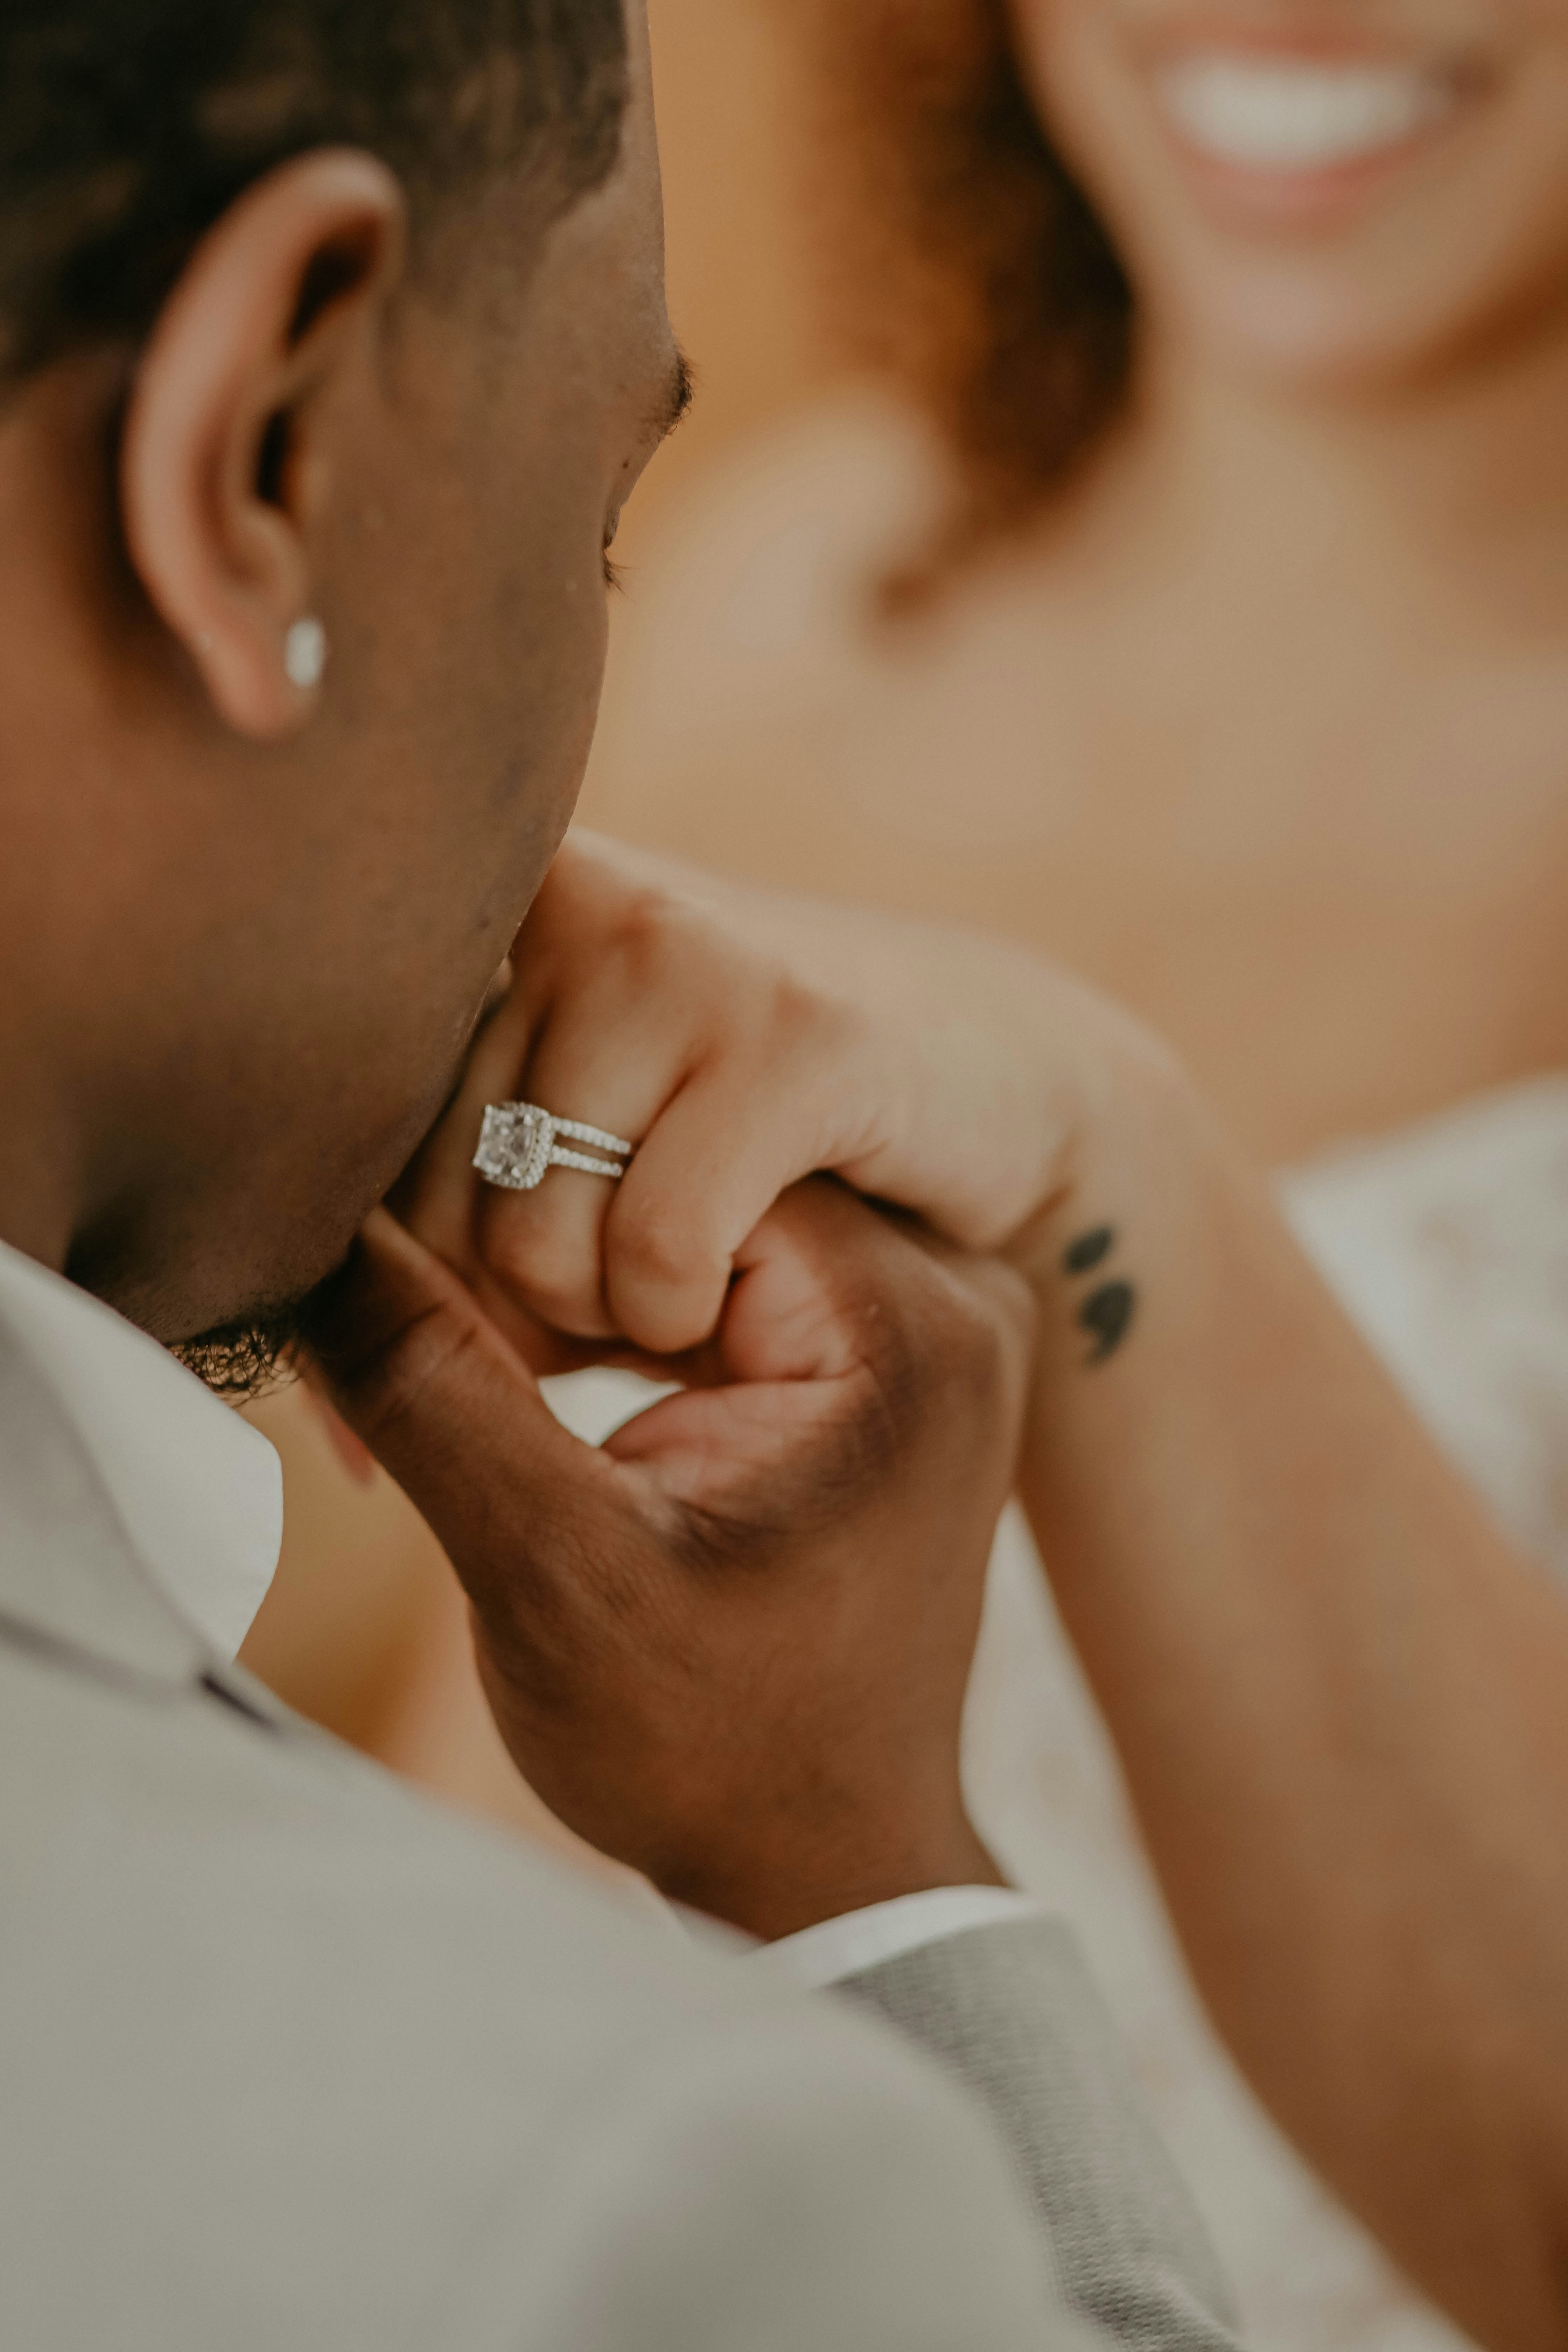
823,500
753,597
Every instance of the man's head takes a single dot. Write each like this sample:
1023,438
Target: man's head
346,308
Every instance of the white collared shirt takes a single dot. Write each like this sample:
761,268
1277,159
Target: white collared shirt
200,1494
198,1491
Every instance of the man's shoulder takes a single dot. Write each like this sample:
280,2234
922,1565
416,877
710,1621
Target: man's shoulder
260,2006
305,2059
213,1805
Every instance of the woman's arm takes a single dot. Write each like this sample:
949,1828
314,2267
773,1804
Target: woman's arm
1340,1698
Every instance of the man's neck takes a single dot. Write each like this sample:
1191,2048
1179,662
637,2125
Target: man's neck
40,1172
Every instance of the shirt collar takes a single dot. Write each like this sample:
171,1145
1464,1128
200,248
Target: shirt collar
198,1492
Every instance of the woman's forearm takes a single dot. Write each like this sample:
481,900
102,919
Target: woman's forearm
1341,1700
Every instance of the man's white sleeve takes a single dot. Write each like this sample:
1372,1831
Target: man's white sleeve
824,1955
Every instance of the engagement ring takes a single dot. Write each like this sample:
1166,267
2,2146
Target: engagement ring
518,1143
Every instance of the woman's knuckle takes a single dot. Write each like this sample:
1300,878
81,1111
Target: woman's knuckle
653,1246
535,1260
650,931
804,1028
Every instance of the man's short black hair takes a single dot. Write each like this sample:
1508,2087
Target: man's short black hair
128,126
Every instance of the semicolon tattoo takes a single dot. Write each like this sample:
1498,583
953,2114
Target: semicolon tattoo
1089,1249
1107,1314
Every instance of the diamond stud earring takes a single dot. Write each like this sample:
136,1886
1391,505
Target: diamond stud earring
305,653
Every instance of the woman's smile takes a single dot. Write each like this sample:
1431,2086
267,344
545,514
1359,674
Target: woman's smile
1334,190
1297,119
1290,127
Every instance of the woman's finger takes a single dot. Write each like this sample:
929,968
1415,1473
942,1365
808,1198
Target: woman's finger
438,1197
606,1058
743,1128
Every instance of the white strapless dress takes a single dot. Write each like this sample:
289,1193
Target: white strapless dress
1448,1245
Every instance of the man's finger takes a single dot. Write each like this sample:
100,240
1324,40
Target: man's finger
421,1373
839,1328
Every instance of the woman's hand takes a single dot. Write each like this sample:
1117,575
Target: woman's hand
746,1041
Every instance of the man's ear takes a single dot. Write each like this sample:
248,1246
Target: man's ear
219,479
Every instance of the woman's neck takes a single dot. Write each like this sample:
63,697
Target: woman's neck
1464,473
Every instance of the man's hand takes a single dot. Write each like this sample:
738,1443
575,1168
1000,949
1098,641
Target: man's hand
731,1647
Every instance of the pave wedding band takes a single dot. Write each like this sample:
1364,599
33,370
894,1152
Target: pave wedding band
518,1143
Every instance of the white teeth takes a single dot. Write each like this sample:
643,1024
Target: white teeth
1268,114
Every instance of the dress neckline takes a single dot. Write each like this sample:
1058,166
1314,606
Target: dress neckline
1518,1110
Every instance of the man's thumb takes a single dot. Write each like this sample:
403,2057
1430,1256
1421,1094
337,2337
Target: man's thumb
417,1369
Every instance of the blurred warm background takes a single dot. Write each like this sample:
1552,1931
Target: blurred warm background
741,237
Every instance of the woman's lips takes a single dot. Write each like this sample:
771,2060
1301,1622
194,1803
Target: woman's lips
1299,135
1277,114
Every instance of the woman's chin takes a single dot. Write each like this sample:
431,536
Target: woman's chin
1312,330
